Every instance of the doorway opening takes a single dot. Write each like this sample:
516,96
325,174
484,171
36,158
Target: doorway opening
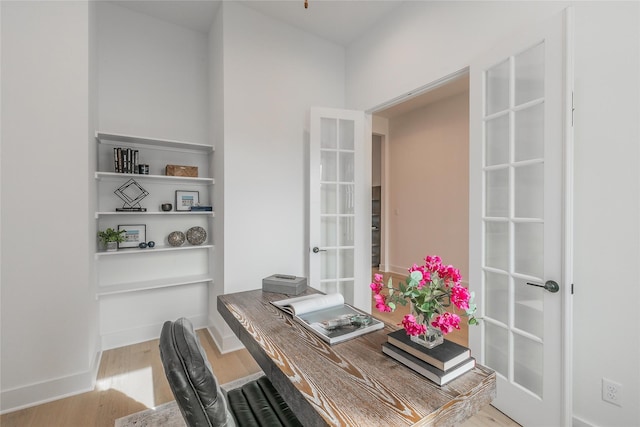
420,170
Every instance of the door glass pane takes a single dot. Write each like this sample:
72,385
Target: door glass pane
496,348
497,141
347,134
330,287
328,166
497,88
346,231
497,193
497,245
328,203
347,200
528,308
527,370
346,167
345,262
529,74
328,133
328,231
529,249
328,264
346,288
529,133
529,191
497,296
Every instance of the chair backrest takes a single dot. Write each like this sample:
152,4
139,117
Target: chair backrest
191,378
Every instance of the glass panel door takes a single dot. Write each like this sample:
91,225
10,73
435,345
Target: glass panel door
338,221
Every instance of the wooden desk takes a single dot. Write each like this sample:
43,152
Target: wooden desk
348,384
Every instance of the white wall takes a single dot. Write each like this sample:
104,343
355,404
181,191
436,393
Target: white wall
46,351
272,75
153,77
607,253
422,42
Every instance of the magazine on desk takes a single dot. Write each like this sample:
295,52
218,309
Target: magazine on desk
329,317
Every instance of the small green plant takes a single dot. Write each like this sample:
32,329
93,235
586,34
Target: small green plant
111,235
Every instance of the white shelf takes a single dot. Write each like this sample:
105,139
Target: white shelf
150,285
165,178
103,137
138,251
113,213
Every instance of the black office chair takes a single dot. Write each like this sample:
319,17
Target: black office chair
200,398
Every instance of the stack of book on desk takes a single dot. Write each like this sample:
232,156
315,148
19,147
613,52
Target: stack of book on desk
440,364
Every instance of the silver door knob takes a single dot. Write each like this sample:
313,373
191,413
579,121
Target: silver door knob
317,249
549,285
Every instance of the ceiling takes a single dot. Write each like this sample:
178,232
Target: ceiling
338,21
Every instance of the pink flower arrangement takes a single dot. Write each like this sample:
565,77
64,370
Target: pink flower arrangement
431,288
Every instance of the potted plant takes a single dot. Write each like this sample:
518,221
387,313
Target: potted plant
110,238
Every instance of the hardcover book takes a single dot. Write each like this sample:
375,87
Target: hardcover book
427,370
329,317
443,356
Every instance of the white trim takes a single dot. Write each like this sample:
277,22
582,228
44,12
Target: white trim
419,91
226,343
46,391
143,333
567,295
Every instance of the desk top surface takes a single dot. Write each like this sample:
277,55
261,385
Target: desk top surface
351,383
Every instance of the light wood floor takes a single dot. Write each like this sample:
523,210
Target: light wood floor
132,379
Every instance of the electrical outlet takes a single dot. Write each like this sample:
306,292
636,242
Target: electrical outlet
611,392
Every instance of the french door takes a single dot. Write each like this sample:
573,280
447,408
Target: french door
517,221
340,204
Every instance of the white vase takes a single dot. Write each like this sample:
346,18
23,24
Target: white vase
112,246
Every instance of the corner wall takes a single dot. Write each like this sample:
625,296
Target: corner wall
47,352
272,75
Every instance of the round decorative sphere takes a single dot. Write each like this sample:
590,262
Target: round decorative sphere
196,235
142,245
151,243
176,238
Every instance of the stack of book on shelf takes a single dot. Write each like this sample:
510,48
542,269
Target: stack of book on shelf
440,364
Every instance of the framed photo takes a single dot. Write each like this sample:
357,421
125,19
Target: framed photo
133,235
186,199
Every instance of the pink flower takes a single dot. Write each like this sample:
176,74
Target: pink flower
412,327
460,297
376,287
432,263
381,304
449,274
446,322
377,277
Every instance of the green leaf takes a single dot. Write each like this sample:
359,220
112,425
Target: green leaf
416,275
392,306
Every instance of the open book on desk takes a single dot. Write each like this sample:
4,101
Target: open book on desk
329,317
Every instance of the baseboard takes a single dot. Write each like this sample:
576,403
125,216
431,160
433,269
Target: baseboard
226,343
578,422
47,391
143,333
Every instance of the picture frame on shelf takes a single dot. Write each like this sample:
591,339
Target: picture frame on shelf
133,236
186,199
